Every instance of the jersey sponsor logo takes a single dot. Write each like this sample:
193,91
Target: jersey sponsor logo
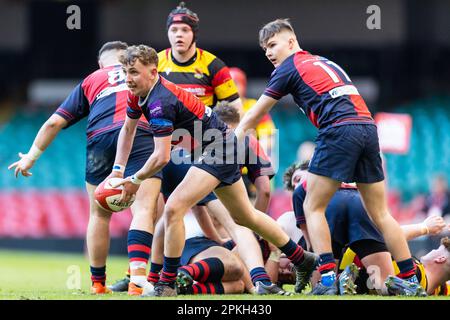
198,73
199,92
343,90
110,90
156,109
168,71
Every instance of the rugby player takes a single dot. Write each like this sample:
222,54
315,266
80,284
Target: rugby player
168,108
347,144
102,98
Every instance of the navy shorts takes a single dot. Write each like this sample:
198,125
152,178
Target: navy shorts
101,153
173,174
348,221
221,160
348,153
193,246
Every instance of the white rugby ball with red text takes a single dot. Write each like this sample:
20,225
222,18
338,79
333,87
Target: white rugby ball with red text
108,197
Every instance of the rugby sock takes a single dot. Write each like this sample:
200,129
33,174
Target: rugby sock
98,274
206,288
139,248
206,270
260,274
169,271
407,270
326,269
293,252
153,275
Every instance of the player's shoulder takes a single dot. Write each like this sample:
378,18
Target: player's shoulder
213,63
164,60
100,75
206,56
164,54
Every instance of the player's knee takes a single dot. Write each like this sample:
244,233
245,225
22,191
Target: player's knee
98,212
172,213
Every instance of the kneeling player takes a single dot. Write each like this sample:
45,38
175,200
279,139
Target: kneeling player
207,267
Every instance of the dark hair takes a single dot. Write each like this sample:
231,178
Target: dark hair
112,45
145,54
272,28
287,176
181,14
226,112
446,243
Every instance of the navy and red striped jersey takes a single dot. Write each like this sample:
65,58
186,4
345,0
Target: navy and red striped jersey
168,108
321,89
102,97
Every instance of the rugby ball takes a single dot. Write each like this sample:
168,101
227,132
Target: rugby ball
108,197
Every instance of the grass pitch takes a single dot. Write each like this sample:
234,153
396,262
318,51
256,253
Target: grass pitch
55,276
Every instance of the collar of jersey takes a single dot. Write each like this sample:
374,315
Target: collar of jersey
141,103
184,64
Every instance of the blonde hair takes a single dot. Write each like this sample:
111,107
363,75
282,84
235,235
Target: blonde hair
272,28
145,54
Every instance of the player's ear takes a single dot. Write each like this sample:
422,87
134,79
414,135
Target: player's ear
154,71
100,64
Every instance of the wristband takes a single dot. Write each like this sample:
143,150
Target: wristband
118,168
135,180
34,153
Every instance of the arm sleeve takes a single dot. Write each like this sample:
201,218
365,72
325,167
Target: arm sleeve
75,107
133,109
279,82
298,197
223,84
162,121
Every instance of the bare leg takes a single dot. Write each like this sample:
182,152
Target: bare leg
378,266
247,246
144,208
199,183
320,191
374,199
97,236
235,199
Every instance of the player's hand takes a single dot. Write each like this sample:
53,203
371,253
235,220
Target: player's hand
115,174
435,224
129,189
22,166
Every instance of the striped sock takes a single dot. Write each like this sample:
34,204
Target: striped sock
326,269
139,248
98,274
206,270
293,252
153,275
169,271
206,288
260,274
407,270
